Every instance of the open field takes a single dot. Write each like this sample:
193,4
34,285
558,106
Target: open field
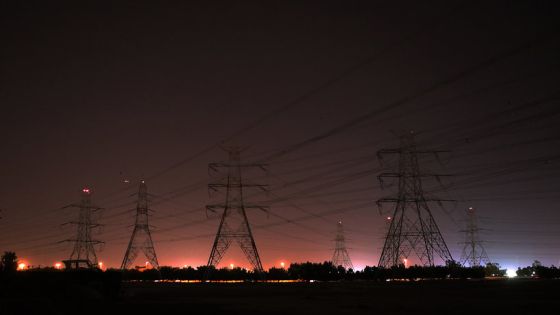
515,296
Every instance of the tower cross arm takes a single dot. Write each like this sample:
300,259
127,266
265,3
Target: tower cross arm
82,241
215,207
260,207
429,151
216,186
82,223
382,152
216,166
77,205
387,174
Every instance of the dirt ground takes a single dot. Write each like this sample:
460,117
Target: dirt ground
513,296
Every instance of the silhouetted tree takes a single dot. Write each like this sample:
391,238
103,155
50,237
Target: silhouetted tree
316,271
277,274
537,270
547,272
493,270
9,262
524,272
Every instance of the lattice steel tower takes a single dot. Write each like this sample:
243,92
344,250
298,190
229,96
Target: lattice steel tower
473,253
83,253
413,227
141,239
234,225
340,256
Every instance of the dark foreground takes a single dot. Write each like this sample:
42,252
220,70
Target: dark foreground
515,296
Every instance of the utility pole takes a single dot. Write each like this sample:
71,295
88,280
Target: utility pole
473,253
141,238
413,228
340,256
234,225
83,255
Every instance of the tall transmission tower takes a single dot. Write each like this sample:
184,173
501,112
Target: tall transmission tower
141,239
340,256
83,254
234,225
413,227
473,253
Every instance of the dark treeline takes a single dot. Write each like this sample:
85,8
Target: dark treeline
307,271
537,270
325,271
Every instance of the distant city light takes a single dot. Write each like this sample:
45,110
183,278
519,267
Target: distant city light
231,266
282,264
405,261
100,265
511,273
21,266
58,265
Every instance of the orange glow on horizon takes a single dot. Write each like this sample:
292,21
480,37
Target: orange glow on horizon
22,266
58,265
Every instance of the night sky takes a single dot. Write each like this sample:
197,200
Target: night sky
99,93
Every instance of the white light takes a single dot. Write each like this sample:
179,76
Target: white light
511,273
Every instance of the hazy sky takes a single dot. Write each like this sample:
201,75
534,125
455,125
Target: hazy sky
95,94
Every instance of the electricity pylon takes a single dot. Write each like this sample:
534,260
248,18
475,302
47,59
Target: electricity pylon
413,227
83,254
234,225
141,238
340,256
473,253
